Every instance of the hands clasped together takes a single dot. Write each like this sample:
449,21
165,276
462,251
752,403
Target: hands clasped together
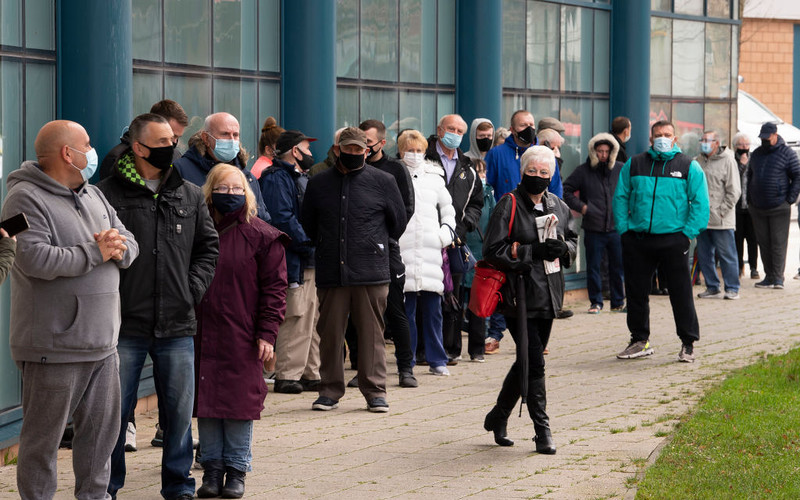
111,244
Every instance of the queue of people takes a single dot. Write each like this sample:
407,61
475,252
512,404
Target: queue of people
217,271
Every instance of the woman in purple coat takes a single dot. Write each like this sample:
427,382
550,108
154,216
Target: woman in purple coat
238,321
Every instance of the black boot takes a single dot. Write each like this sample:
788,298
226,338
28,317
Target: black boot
496,421
537,405
234,483
213,470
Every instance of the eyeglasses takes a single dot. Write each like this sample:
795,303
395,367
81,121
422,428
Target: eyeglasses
228,189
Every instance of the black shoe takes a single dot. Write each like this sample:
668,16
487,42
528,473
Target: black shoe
234,483
564,314
378,405
214,470
537,406
66,438
288,386
496,421
185,496
310,385
353,381
452,361
324,404
158,440
407,379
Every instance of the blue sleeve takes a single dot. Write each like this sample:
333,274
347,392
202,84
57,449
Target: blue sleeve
555,186
279,199
794,176
263,214
491,169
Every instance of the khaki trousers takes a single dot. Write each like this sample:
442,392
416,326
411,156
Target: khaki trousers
297,346
365,305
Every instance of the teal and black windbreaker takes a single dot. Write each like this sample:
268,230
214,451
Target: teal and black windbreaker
661,193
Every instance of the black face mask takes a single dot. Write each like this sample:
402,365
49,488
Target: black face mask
765,143
373,152
484,144
351,162
740,152
226,203
161,158
527,135
534,184
306,162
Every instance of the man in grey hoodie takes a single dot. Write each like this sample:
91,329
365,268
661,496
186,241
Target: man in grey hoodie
65,312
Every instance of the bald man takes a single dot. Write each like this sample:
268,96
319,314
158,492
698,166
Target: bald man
65,312
218,142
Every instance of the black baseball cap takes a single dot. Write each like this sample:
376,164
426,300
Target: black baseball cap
289,139
767,130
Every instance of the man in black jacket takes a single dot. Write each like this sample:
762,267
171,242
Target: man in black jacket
596,180
351,212
466,190
621,130
178,253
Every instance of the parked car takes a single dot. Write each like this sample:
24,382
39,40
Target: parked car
753,114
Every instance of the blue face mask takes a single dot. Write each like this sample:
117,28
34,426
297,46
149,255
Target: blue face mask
226,203
705,147
225,149
662,144
451,140
91,163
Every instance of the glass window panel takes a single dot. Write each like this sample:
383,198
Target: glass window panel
576,57
269,35
269,101
380,105
445,105
417,111
692,7
719,8
146,26
146,91
601,120
541,46
238,97
687,58
513,102
11,119
541,107
347,57
187,38
39,24
688,120
513,50
660,56
40,100
734,61
602,50
194,95
576,115
11,22
347,107
379,40
718,117
417,41
659,110
446,45
235,34
662,5
718,60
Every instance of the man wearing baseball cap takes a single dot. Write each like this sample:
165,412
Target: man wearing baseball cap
350,212
283,186
773,183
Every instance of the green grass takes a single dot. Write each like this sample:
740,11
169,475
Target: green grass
742,442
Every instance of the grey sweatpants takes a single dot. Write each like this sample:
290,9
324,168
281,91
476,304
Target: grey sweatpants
50,394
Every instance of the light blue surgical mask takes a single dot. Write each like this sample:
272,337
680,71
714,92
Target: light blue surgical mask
662,144
451,140
91,163
225,149
705,147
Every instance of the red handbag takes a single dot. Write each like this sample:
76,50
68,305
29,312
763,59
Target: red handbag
485,293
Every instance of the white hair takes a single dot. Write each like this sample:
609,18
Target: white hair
741,135
539,155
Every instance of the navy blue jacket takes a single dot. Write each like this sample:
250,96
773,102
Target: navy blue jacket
596,186
773,176
283,199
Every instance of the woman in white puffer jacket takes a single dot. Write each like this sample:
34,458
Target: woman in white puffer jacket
428,231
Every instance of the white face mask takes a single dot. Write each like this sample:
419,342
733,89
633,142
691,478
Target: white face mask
413,159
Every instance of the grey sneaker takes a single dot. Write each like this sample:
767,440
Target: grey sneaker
441,371
710,294
732,294
687,354
636,350
130,437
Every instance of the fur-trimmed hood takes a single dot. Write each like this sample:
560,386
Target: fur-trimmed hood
197,142
603,137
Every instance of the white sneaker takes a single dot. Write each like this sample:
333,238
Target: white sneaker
441,371
130,437
731,295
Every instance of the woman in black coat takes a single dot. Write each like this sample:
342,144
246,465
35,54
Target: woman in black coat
523,253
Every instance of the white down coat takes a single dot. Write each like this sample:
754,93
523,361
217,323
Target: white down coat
422,242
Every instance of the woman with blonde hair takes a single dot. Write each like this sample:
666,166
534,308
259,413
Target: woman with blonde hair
238,320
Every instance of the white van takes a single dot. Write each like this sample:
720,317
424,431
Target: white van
753,114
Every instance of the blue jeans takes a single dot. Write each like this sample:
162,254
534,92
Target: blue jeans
596,244
227,440
430,304
497,325
722,241
173,370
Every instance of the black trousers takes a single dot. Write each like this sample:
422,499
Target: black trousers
476,329
642,254
451,322
396,324
772,233
746,231
538,336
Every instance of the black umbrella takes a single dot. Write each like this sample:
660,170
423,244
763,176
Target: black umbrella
522,339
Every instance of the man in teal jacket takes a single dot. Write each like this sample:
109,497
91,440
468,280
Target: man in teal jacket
660,205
